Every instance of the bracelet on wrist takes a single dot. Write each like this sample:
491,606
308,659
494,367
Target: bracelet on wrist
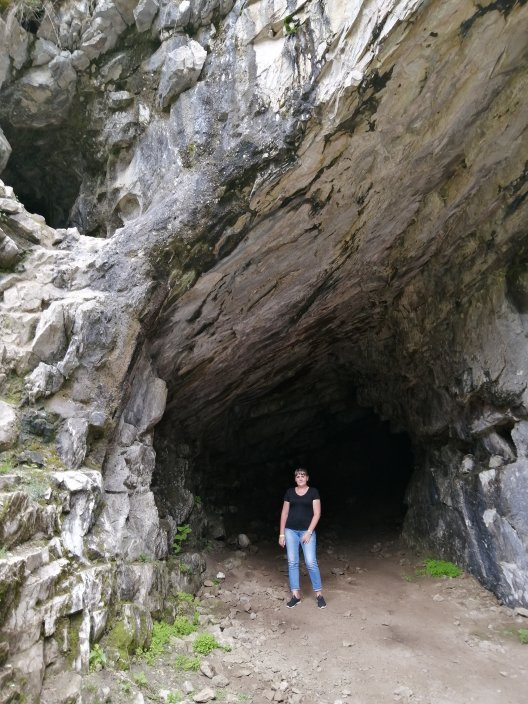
281,535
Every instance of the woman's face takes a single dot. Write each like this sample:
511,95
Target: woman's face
301,479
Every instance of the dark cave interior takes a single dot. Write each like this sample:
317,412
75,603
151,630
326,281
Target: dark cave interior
359,465
44,170
361,471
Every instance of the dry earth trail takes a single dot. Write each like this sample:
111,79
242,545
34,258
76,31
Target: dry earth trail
386,635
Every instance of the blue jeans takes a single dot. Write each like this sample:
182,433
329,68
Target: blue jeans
293,540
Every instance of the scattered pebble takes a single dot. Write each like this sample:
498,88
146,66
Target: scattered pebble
243,541
204,695
207,669
220,681
403,694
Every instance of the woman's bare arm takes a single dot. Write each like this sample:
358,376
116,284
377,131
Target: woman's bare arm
283,519
315,520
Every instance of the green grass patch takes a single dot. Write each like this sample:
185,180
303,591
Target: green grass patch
13,389
6,467
187,663
183,626
205,643
439,568
3,552
162,632
523,635
185,596
140,679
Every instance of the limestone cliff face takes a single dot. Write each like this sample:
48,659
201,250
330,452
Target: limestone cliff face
253,196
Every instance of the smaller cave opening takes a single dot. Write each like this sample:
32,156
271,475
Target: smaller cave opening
31,15
45,170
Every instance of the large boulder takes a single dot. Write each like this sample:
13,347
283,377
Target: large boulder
8,251
144,14
43,95
180,71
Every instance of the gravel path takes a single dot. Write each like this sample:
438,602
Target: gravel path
386,636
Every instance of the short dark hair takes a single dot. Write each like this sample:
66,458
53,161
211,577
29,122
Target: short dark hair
299,470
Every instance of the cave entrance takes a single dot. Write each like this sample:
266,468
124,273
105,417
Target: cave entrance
359,465
45,169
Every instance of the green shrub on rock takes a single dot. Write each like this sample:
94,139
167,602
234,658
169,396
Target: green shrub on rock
97,658
205,643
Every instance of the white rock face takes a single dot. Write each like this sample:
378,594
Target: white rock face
8,252
180,71
44,94
8,426
5,151
43,52
85,490
144,14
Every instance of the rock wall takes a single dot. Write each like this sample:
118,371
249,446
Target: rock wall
268,193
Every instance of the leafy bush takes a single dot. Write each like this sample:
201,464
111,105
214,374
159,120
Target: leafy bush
205,643
183,627
182,533
186,663
291,25
161,635
97,658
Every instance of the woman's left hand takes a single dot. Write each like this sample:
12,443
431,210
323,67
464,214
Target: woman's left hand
306,538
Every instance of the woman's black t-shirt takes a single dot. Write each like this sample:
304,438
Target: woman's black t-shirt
301,508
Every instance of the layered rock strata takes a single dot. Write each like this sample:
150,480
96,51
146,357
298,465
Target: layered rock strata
298,204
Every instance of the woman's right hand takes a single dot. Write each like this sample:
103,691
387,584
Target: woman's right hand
282,541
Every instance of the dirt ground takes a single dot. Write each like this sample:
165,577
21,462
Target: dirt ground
386,634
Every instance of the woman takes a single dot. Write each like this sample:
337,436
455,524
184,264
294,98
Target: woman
301,511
